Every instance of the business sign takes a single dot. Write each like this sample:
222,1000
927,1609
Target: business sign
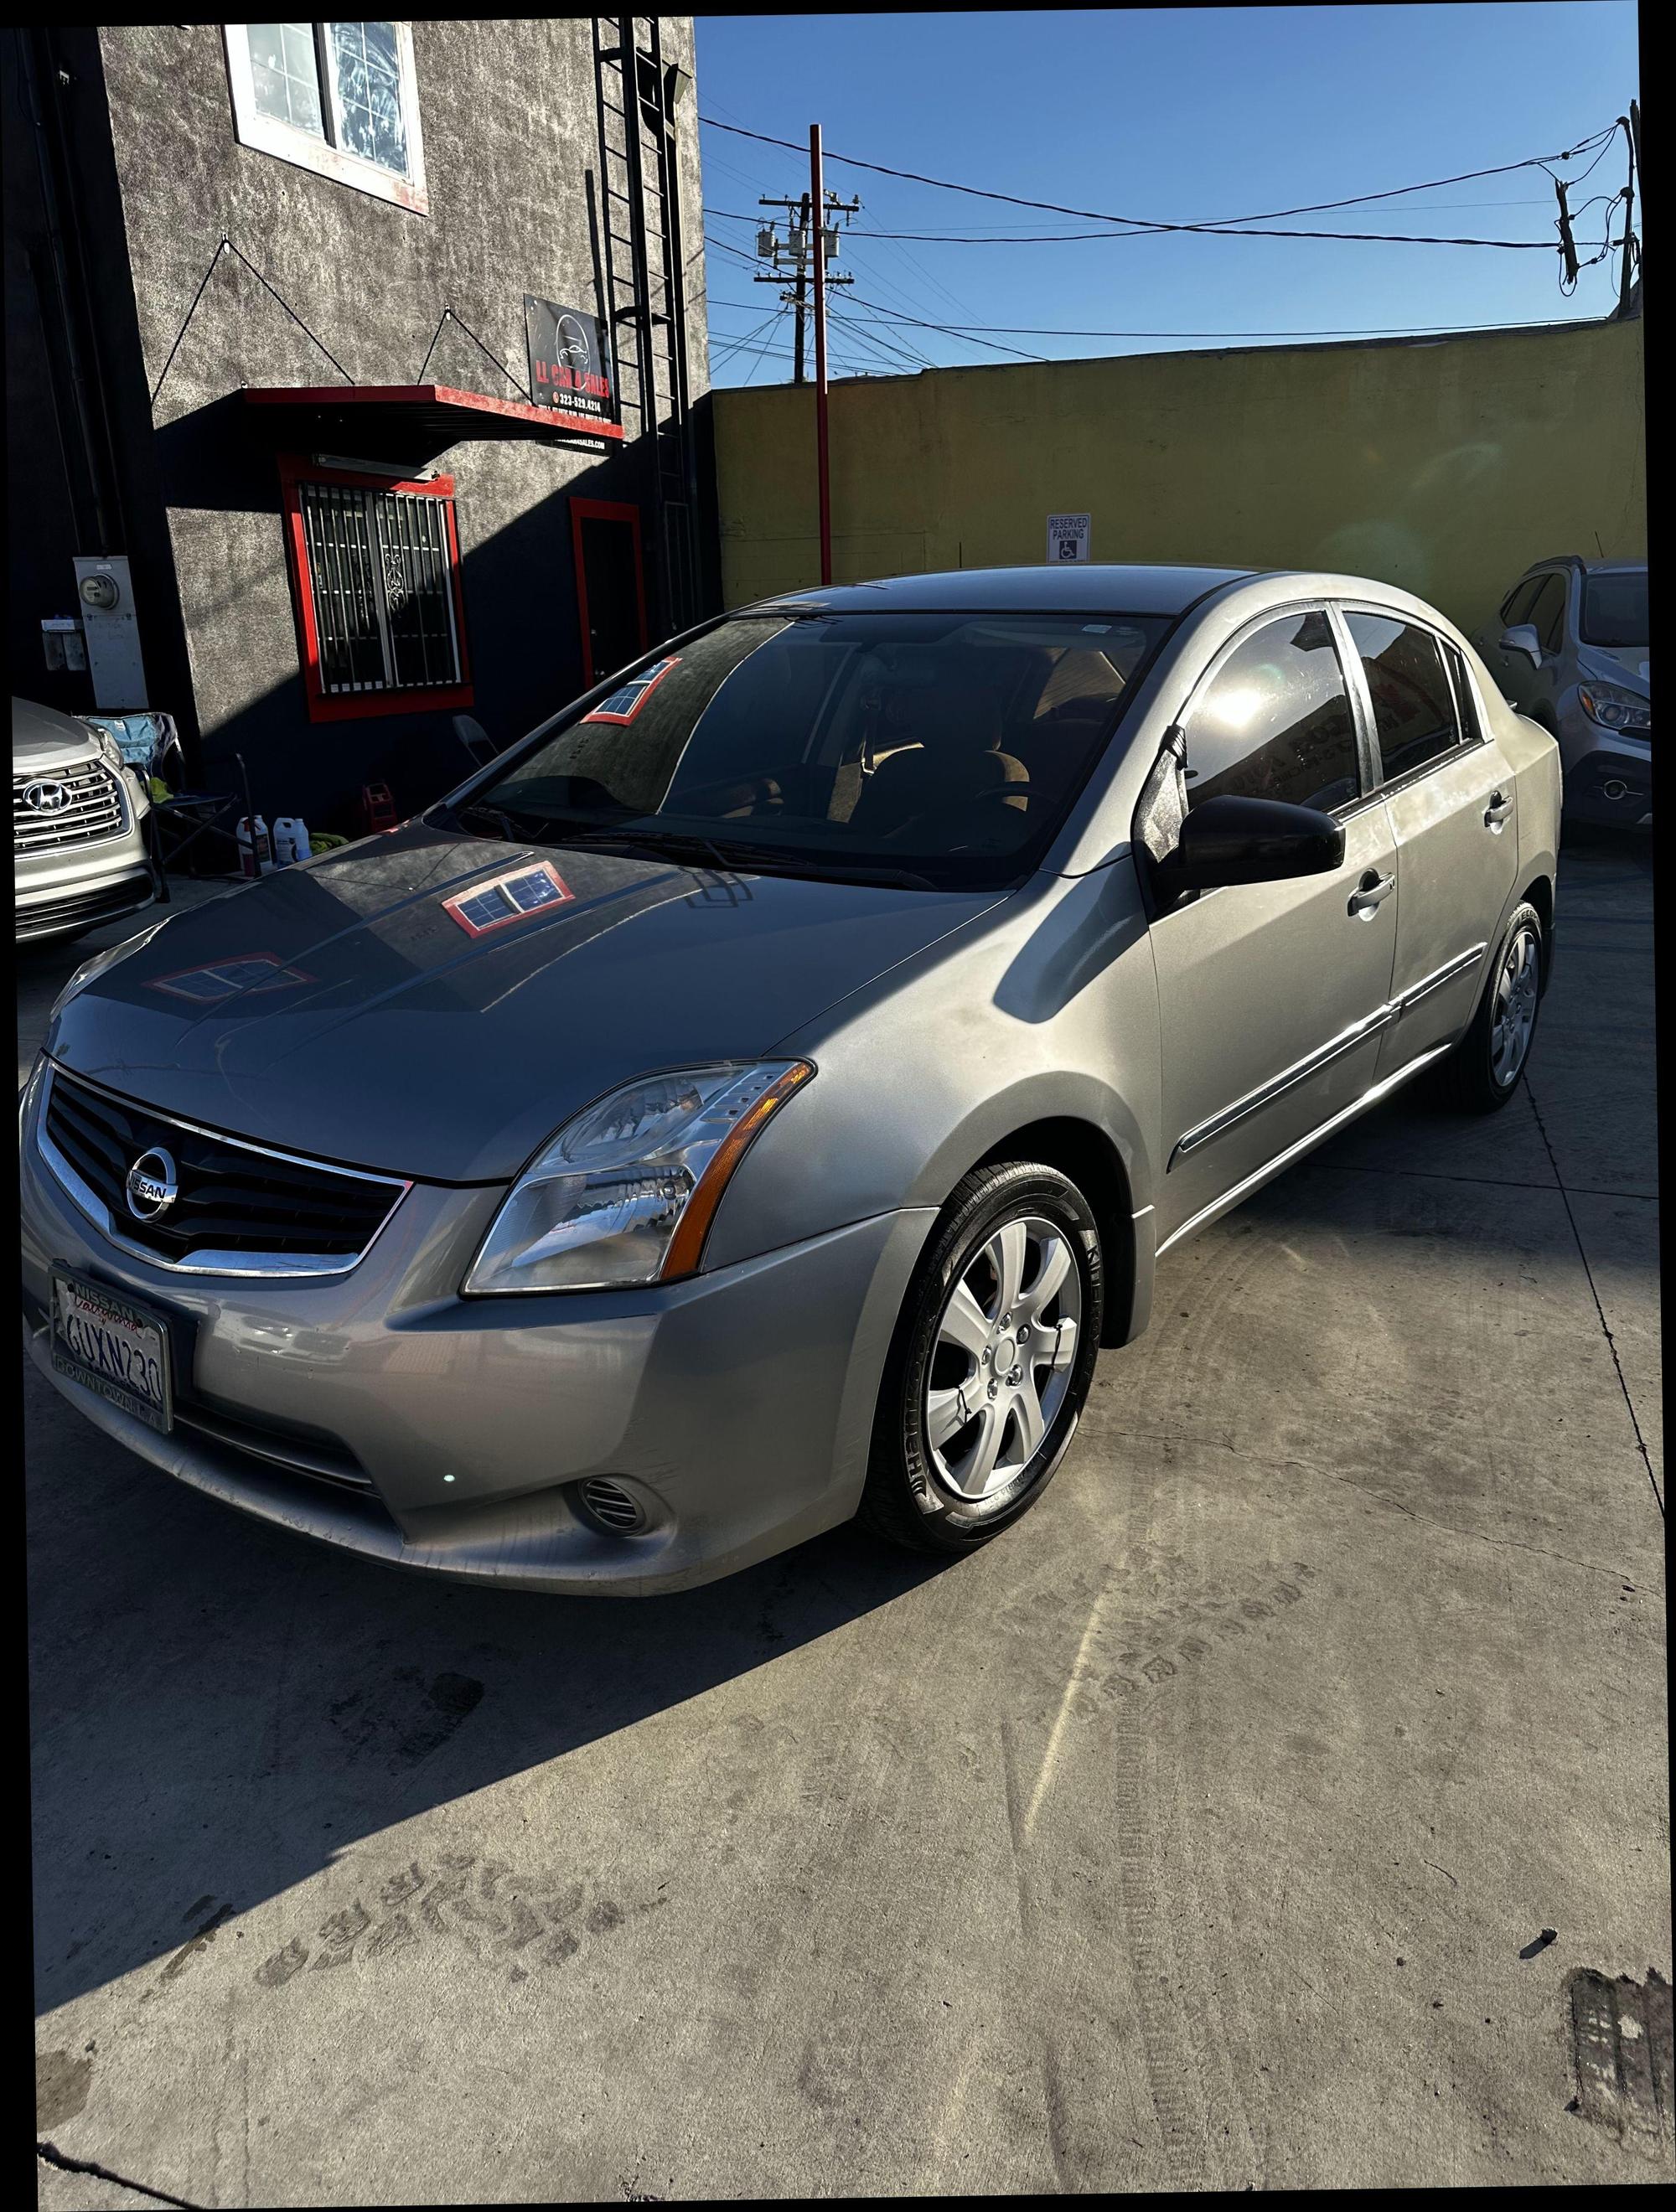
1067,538
570,364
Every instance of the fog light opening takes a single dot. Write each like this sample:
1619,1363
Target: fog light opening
1613,788
610,1507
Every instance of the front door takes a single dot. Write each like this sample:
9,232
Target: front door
1452,804
610,589
1272,996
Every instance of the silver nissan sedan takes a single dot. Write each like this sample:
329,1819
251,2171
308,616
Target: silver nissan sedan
753,1100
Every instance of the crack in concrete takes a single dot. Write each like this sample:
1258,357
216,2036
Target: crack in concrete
1612,1344
50,2154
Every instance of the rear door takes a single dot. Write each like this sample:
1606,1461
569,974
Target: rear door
1450,797
1270,996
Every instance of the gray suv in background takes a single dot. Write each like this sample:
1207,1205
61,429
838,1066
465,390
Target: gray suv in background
1570,648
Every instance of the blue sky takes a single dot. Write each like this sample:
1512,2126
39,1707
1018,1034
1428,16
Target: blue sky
1176,114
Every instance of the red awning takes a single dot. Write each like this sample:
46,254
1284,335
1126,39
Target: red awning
410,422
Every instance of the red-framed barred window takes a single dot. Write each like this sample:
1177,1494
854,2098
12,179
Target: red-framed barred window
375,578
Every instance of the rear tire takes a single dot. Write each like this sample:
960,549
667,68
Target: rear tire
991,1363
1482,1073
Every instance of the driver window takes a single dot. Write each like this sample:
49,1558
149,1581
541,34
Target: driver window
1548,613
1275,721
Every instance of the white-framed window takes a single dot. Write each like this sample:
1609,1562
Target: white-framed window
340,99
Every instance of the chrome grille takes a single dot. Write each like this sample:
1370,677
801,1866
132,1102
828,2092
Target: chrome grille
91,807
239,1209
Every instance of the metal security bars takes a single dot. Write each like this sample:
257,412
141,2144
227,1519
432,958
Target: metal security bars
381,577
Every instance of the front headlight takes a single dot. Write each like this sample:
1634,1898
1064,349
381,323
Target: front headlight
110,751
1614,709
100,961
626,1192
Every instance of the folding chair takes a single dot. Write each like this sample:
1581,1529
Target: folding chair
479,747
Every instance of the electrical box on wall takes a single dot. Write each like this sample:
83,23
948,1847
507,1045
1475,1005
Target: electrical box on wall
62,643
111,632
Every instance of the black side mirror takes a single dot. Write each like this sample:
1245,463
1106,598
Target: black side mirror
1251,840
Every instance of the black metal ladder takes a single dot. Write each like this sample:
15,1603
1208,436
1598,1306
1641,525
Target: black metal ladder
646,289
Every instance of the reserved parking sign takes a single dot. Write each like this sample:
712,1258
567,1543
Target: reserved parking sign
1067,538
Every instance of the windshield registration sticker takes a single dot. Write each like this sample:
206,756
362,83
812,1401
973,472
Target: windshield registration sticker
626,702
511,897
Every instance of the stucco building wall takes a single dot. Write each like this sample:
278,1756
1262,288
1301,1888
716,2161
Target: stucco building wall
1443,466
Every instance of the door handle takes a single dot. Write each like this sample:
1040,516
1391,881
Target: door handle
1496,814
1370,894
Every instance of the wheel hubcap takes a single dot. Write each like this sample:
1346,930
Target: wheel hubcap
1514,1015
1000,1367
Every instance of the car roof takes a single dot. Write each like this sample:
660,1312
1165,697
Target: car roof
1091,588
1600,568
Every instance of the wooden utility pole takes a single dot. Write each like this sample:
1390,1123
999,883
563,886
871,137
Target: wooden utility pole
817,200
798,376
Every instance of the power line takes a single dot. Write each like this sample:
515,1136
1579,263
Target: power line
1228,225
1392,330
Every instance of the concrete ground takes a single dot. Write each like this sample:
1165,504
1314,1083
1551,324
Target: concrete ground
1280,1804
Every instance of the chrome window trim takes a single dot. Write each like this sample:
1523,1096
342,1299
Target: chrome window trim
206,1260
1312,1063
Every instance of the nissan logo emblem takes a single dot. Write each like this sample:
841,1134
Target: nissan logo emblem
151,1185
46,797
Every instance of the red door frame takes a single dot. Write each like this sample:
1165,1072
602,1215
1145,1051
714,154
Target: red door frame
296,469
604,510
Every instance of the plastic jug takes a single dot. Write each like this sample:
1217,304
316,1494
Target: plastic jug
256,854
290,840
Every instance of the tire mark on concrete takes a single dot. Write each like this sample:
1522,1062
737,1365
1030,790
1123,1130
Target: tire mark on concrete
1620,2036
502,1917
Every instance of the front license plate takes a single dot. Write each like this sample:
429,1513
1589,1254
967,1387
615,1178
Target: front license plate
107,1343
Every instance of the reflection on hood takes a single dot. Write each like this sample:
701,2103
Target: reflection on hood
340,1009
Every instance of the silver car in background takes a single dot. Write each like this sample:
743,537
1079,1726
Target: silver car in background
78,826
1570,647
752,1100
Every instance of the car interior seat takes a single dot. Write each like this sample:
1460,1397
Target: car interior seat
956,761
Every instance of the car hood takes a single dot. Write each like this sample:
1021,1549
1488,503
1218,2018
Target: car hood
43,737
1628,665
338,1009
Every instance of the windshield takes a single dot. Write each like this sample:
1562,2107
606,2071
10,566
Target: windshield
1615,608
944,748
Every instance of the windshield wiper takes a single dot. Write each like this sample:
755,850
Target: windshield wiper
729,858
764,860
503,824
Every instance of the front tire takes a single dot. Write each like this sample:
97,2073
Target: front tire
1481,1074
991,1364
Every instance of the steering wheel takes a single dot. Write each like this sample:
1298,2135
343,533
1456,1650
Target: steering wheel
1001,794
736,797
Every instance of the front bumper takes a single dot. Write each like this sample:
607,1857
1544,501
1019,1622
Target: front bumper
1608,775
67,889
379,1412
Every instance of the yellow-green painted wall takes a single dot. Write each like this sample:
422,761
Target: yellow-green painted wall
1444,467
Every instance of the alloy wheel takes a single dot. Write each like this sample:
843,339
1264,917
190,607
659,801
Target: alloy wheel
1005,1345
1513,1015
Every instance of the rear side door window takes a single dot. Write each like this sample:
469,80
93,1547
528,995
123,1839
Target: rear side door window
1275,721
1415,720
